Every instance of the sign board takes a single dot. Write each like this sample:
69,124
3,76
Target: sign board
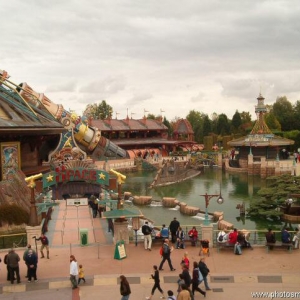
120,251
77,201
61,174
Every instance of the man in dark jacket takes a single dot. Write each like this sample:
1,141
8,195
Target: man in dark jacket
186,275
13,265
31,262
204,271
166,255
174,225
25,255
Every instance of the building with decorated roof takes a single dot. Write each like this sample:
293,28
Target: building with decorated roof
259,152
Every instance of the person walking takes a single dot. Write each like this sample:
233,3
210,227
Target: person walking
13,265
124,288
73,271
204,271
81,274
31,263
45,244
156,285
196,280
166,255
146,230
174,225
180,282
186,275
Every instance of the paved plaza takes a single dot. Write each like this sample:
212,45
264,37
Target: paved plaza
231,276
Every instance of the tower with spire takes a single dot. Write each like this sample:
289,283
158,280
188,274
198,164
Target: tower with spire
260,127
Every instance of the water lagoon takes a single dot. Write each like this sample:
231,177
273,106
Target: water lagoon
235,189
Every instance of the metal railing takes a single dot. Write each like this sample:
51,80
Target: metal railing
256,237
13,240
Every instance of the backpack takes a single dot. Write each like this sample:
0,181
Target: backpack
200,276
146,229
161,251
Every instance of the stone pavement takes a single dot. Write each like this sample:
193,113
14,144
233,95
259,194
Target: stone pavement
231,276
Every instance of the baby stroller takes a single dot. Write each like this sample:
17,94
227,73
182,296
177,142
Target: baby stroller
204,250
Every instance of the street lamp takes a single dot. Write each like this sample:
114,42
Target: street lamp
207,197
135,227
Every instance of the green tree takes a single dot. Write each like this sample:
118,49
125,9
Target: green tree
214,120
274,195
296,109
272,122
100,111
247,124
196,120
206,126
168,124
245,117
295,136
151,117
236,121
283,111
223,126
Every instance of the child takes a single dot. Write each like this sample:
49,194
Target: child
81,274
155,276
185,260
171,295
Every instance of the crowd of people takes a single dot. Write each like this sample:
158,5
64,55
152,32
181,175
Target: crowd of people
189,280
30,258
192,273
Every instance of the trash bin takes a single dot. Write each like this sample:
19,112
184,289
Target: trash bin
84,236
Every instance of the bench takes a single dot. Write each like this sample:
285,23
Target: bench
228,246
286,246
224,246
157,239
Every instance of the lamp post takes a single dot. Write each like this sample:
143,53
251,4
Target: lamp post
135,227
207,198
120,180
33,219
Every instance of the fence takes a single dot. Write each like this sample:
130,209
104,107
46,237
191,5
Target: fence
257,237
13,240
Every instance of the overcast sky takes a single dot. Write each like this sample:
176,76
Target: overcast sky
168,55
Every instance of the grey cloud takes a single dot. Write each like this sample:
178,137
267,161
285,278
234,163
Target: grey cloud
138,99
198,98
226,51
63,87
105,87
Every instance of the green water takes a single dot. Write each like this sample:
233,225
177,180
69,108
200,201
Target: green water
235,189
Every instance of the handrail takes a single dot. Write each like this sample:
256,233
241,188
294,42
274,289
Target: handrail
8,241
